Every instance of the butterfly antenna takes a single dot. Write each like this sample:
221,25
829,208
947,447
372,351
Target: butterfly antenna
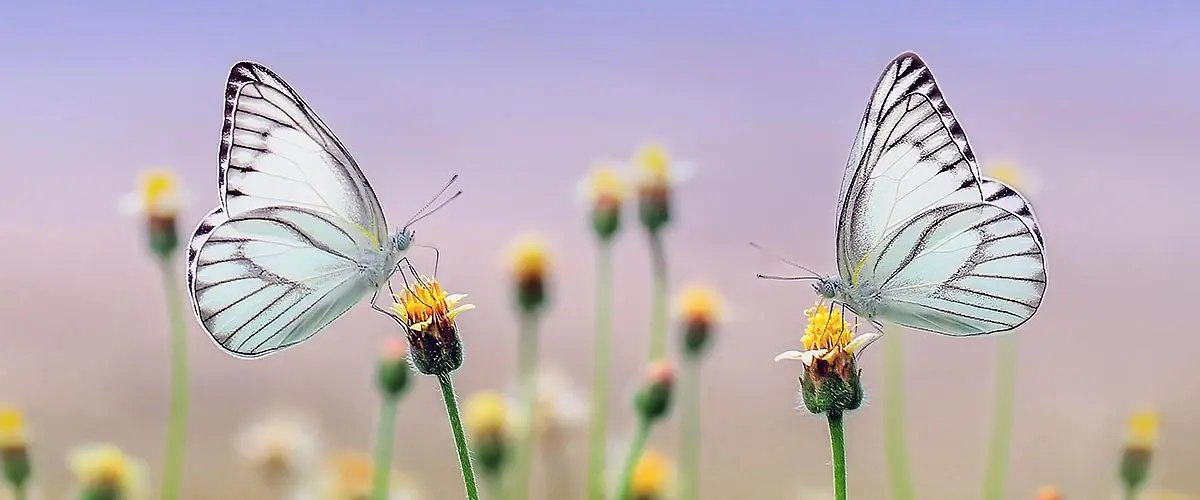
431,211
418,216
785,260
773,277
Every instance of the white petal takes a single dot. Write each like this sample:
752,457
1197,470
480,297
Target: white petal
861,342
795,355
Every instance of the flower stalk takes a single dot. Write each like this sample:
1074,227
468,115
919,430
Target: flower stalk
1000,441
460,437
601,364
653,404
895,440
527,362
837,446
177,420
392,380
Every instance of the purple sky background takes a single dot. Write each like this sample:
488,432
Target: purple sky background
1098,100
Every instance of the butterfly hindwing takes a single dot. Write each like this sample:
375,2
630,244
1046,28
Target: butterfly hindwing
276,151
960,269
272,277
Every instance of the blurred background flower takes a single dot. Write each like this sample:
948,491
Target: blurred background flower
348,475
105,472
283,449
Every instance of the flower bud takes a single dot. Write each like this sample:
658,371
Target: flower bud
530,264
394,371
653,401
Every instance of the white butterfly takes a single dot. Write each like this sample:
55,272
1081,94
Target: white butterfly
299,238
923,239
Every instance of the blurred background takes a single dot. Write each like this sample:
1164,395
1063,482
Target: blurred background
1097,100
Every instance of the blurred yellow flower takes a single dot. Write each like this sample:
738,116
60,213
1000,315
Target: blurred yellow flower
107,467
1048,493
529,258
283,448
1143,430
1012,175
348,476
12,429
604,187
425,305
699,304
159,195
486,414
651,476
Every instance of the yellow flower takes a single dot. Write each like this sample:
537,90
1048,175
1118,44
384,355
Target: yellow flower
486,414
826,335
349,476
651,476
1048,493
12,429
425,306
159,195
1143,430
280,447
1012,175
699,304
529,258
604,187
529,262
106,466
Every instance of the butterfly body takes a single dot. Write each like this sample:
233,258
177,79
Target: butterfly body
299,237
923,239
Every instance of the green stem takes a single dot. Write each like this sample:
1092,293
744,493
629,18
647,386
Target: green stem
20,492
631,459
689,430
601,364
527,363
1130,493
895,429
460,437
177,424
837,445
1000,442
495,486
384,438
658,319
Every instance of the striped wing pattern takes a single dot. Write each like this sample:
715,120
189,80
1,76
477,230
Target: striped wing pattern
276,151
948,250
271,277
961,269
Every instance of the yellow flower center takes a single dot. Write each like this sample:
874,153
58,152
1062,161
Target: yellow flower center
158,188
352,473
12,428
650,475
529,258
698,304
826,329
1008,173
1143,429
425,302
106,465
605,185
486,414
653,162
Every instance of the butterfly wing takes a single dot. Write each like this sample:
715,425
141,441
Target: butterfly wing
999,193
276,151
910,155
959,269
271,277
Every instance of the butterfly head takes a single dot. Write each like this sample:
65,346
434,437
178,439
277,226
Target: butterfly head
828,287
402,238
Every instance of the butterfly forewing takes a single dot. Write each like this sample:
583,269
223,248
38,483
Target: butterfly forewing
276,151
